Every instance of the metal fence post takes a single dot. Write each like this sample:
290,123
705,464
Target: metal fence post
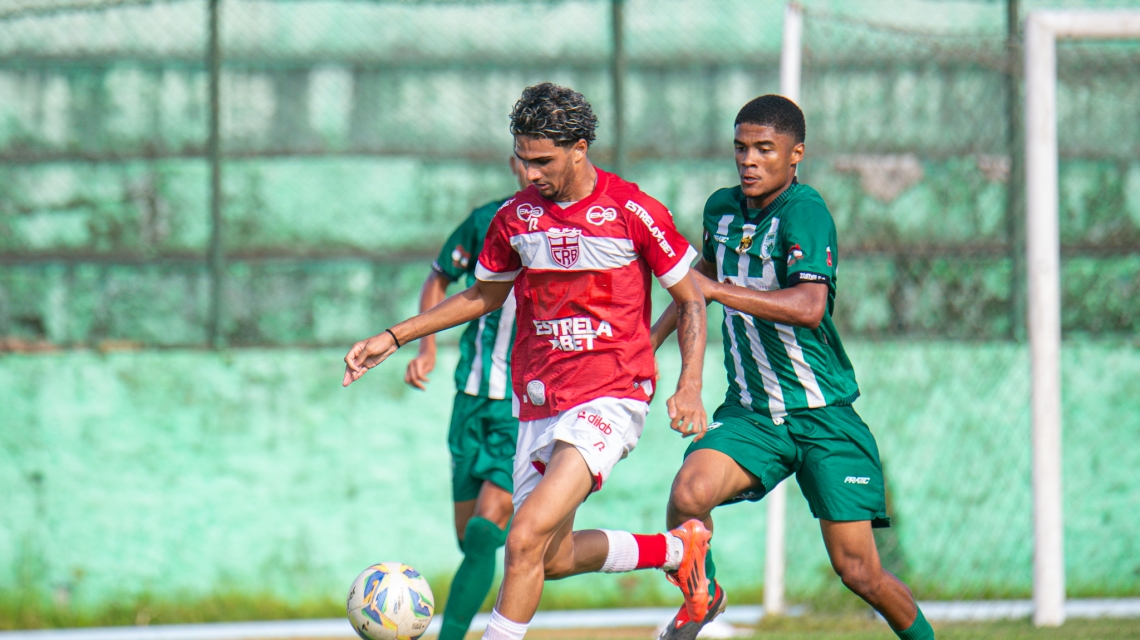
1015,196
213,153
617,77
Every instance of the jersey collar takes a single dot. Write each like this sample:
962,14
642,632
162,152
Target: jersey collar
599,188
772,206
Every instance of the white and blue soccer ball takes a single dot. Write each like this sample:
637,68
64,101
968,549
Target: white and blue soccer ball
390,601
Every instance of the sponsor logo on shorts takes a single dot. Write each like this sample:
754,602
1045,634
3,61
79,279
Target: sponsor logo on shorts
598,215
536,391
714,425
573,334
597,421
647,220
856,480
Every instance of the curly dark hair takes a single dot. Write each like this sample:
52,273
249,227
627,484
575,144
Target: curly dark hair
777,112
558,113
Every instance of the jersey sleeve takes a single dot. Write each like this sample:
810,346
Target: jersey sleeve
657,240
708,244
810,245
455,257
498,261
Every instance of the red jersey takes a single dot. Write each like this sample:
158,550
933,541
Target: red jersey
581,279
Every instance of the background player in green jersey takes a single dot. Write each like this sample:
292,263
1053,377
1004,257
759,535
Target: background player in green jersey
770,258
483,430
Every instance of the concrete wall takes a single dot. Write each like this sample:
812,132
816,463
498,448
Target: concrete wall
181,473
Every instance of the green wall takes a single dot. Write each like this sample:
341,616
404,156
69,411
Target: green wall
185,473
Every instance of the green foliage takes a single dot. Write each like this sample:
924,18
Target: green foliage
18,611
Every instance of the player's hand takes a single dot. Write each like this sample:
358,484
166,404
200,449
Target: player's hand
687,413
367,354
418,368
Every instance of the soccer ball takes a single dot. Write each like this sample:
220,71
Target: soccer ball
390,601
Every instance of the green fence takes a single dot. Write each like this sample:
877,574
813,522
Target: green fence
178,474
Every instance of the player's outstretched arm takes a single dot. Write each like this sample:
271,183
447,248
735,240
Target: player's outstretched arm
480,299
802,305
432,293
686,411
667,323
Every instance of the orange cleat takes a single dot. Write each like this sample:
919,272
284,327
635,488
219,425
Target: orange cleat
681,627
690,576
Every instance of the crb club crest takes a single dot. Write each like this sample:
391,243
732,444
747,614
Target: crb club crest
564,246
598,215
529,214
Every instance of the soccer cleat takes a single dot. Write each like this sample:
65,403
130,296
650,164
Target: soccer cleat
690,576
682,627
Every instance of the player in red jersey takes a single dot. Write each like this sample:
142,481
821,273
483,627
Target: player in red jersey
578,246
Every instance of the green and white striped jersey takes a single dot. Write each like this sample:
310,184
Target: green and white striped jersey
485,348
774,368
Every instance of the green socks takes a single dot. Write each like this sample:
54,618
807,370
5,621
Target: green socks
710,572
473,579
920,630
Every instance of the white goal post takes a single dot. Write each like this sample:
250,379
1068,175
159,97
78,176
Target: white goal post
1043,267
791,58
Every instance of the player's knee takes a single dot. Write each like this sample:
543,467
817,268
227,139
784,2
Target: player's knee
693,496
558,567
524,544
860,578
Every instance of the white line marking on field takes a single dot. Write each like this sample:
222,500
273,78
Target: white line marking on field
939,611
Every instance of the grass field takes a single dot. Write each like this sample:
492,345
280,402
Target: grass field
864,628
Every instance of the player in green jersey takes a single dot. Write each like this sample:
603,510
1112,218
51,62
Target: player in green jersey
770,258
483,430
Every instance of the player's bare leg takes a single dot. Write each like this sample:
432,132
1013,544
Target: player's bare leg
854,556
548,510
480,528
492,504
706,479
464,509
575,552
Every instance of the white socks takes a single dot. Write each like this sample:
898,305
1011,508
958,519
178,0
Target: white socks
674,552
501,628
623,552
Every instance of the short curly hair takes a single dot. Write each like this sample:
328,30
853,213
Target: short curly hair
777,112
558,113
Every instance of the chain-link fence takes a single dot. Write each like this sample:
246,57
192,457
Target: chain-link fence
351,136
916,140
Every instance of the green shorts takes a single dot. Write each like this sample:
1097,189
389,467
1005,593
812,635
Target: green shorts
482,444
831,451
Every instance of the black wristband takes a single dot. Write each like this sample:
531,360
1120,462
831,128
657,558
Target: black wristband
394,338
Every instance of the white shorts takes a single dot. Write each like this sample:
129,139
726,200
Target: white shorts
604,430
